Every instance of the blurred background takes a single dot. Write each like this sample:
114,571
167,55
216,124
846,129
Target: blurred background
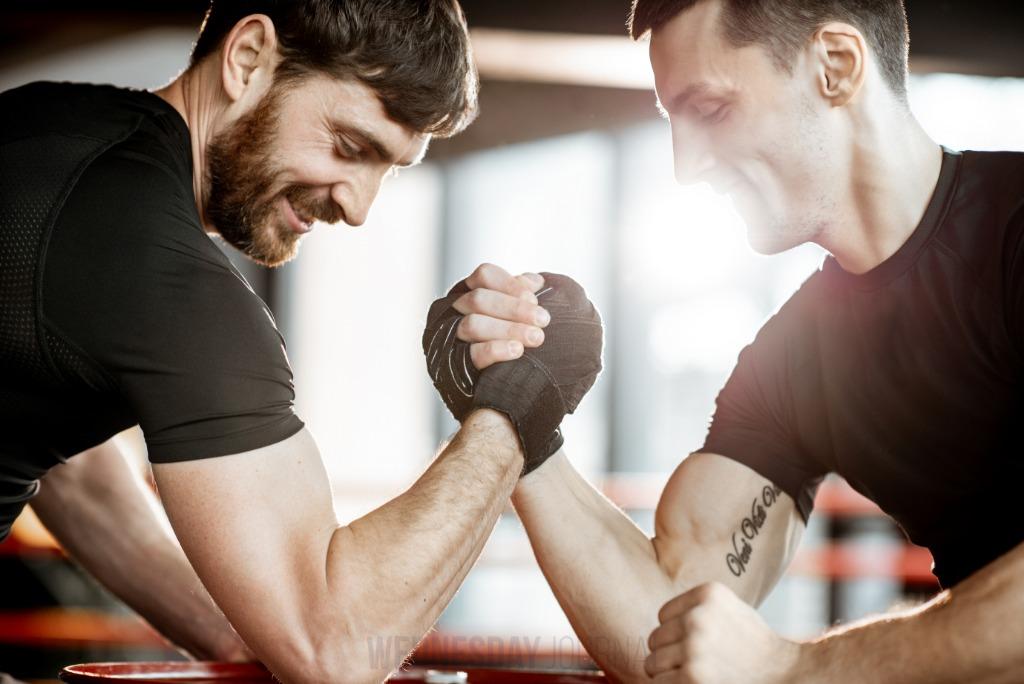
568,169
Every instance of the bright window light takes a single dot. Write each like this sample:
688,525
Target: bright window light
970,112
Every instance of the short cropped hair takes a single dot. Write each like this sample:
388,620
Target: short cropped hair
415,54
785,26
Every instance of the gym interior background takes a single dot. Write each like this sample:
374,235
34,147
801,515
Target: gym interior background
568,169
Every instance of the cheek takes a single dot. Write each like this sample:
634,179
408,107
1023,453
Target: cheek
315,166
793,149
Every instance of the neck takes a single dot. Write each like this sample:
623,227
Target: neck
894,167
196,101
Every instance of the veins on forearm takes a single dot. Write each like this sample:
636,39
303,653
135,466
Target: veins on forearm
738,559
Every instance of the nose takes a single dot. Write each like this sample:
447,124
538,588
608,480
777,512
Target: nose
691,153
356,196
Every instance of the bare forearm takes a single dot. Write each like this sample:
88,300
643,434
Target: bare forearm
602,568
109,522
971,633
399,566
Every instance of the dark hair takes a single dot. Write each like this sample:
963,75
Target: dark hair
784,26
414,53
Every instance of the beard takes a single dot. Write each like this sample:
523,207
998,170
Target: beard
239,197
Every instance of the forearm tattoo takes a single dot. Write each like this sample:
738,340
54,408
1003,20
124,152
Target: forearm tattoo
739,558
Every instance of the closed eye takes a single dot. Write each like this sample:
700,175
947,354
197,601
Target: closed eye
347,150
711,114
717,115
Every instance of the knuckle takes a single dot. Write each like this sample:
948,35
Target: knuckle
480,356
487,271
649,668
475,298
717,591
704,592
461,304
693,622
526,333
525,311
521,284
470,324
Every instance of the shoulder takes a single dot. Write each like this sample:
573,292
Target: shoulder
791,326
986,219
132,214
990,190
97,112
128,248
998,173
763,377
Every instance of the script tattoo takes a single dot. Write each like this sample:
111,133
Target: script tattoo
739,558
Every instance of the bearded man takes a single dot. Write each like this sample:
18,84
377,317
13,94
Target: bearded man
117,309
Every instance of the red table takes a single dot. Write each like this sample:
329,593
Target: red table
221,673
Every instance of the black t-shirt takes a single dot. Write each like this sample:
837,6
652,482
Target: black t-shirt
116,308
906,380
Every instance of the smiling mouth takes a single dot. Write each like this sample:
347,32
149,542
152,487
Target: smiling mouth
299,224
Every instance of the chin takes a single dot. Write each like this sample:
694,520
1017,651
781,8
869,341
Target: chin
270,246
274,254
767,247
769,239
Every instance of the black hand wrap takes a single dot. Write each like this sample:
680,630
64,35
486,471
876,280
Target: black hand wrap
536,390
448,362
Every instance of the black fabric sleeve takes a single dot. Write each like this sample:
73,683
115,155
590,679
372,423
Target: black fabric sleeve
1014,270
132,282
754,422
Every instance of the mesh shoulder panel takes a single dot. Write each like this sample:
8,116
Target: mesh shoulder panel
36,175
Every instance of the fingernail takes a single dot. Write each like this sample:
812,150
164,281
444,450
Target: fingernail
535,336
515,348
542,317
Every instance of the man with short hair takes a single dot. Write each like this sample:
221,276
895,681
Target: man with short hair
898,365
117,309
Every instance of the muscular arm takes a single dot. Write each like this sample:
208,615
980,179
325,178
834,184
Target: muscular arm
611,579
107,519
973,632
317,601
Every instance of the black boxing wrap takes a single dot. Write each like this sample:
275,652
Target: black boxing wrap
536,390
448,362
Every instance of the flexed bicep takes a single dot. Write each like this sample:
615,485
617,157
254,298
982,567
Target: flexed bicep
719,520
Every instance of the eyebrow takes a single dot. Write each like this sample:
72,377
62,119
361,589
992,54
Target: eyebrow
677,102
379,148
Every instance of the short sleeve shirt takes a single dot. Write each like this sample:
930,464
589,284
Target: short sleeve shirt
116,308
905,380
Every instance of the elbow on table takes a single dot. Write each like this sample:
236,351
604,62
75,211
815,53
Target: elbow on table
346,635
350,645
339,659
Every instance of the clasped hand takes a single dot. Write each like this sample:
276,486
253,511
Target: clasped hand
496,322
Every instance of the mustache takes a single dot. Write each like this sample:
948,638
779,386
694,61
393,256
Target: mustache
308,206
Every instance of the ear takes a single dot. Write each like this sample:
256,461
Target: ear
248,56
840,53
